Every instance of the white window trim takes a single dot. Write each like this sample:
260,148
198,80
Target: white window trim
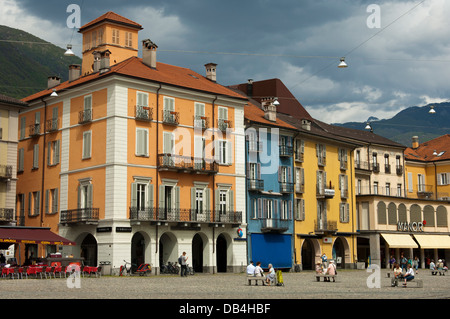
83,155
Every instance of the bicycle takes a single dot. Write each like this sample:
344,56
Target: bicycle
125,268
190,270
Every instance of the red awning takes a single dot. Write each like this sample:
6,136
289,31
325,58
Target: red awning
31,235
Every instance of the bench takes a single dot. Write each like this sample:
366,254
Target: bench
441,272
325,276
418,282
256,279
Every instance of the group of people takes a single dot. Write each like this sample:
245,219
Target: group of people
438,267
323,267
257,271
404,262
400,275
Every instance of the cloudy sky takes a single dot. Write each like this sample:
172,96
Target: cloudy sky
398,52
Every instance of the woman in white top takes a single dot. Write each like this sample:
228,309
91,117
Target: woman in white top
271,275
409,274
258,270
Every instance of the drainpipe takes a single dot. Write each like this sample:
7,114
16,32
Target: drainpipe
157,172
43,165
213,178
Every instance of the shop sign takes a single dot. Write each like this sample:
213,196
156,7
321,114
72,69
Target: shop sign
412,226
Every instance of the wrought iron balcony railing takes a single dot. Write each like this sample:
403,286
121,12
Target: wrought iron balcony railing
255,184
171,117
277,225
187,164
286,150
35,130
286,187
85,116
6,214
80,215
153,214
144,113
51,125
6,171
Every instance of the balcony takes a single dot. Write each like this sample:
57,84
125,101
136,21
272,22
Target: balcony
387,168
286,151
399,169
171,117
425,191
255,185
325,226
376,167
181,216
186,164
6,172
144,113
223,125
323,192
299,188
286,188
35,130
6,215
51,125
80,215
275,225
85,116
201,122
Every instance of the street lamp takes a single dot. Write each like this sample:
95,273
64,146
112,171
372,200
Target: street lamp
69,51
342,64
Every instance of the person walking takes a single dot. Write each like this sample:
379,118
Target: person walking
324,261
183,258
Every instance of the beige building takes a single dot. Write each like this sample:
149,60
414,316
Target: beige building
9,110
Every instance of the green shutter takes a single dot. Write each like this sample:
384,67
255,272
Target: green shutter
133,195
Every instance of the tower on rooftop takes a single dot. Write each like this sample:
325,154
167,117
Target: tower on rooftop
110,32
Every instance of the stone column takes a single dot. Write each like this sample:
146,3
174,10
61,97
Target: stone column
374,244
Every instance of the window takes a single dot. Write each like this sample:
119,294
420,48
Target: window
141,195
199,200
358,159
223,123
342,156
321,154
420,183
299,150
300,179
34,202
343,185
87,145
321,182
169,115
224,152
20,168
53,153
299,209
168,143
375,188
199,120
115,36
254,208
286,210
358,187
128,39
388,189
387,166
344,212
399,190
223,201
51,201
141,142
22,127
443,179
36,156
268,208
85,195
87,108
410,182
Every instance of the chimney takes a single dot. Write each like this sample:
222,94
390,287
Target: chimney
415,142
74,72
250,87
270,110
97,57
53,81
211,71
104,61
149,53
306,124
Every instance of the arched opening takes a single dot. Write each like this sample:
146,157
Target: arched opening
89,250
221,253
168,248
137,250
198,247
339,249
308,255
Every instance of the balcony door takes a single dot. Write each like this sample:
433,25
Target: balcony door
321,214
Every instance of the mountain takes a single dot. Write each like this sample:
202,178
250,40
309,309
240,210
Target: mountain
412,121
26,66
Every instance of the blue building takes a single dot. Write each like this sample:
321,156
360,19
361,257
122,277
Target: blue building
270,186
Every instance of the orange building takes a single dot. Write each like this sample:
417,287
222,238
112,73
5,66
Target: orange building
135,159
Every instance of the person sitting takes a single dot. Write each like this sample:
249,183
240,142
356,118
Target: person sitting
251,269
258,271
319,269
331,270
440,267
409,275
433,267
271,276
398,274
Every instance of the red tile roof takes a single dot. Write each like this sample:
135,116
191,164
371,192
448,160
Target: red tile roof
164,73
111,17
275,88
255,114
424,153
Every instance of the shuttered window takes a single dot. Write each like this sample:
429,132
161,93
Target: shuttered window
87,144
141,142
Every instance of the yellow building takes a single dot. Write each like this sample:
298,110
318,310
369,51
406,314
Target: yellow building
9,110
324,195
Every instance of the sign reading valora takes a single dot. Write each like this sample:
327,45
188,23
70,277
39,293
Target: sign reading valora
412,226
